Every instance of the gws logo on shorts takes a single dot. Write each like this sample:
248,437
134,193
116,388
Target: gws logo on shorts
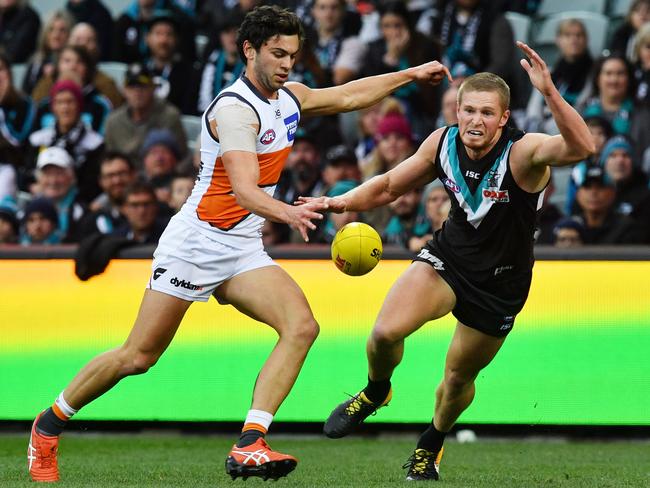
158,272
268,137
291,123
434,260
451,184
185,284
499,196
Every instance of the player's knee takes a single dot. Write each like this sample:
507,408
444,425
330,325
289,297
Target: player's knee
138,362
386,336
304,331
457,380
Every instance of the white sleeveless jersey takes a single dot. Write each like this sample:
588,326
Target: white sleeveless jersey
212,208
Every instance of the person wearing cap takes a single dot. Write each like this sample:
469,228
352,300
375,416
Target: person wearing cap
213,246
40,223
160,154
55,180
394,143
132,25
74,64
595,201
70,132
432,213
631,183
127,127
171,73
222,65
9,224
568,232
340,164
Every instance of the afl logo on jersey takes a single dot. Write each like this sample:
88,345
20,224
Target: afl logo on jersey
268,137
451,184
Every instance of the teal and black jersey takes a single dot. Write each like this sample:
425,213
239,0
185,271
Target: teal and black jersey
488,236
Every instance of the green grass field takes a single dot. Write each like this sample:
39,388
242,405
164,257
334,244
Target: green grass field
165,460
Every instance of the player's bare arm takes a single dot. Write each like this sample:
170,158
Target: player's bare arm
574,143
380,190
365,92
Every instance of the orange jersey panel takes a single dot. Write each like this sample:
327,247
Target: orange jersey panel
218,206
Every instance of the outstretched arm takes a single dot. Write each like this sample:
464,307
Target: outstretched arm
365,92
574,143
380,190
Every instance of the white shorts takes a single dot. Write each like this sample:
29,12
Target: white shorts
190,265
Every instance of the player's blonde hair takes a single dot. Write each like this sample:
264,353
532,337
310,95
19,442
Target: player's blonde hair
486,82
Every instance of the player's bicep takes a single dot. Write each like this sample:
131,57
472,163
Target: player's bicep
235,126
318,101
551,151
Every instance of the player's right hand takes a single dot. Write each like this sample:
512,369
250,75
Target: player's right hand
432,72
300,217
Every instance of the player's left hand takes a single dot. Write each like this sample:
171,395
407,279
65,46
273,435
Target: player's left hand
432,72
538,72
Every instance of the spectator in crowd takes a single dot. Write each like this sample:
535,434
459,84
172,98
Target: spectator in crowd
436,206
128,126
334,221
595,198
55,180
210,13
570,75
84,35
622,42
69,132
404,218
9,225
611,93
76,64
95,14
141,211
181,188
568,232
40,222
116,174
340,164
16,119
402,46
639,132
548,215
132,26
394,143
51,42
19,27
223,64
160,155
476,37
301,175
171,73
274,233
448,113
339,52
368,120
631,183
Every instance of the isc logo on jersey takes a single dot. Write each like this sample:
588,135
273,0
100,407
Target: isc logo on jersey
268,137
500,196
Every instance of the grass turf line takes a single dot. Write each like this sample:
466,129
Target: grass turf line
165,460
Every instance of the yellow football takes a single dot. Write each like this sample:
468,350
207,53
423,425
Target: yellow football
356,249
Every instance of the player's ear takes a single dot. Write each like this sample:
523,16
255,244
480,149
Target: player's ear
504,118
249,51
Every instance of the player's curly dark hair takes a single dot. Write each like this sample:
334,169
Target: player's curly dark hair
265,22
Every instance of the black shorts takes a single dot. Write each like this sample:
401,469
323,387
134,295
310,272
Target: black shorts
491,307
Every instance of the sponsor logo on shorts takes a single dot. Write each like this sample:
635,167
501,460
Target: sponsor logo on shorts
499,196
158,272
509,321
451,184
434,260
185,284
291,123
503,269
268,137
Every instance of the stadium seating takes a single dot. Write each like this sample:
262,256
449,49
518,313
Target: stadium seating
192,127
619,8
544,38
18,71
520,26
552,7
45,7
115,70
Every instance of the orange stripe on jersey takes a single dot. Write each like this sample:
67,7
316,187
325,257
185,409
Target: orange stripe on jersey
219,207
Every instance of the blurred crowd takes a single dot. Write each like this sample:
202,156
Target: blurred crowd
84,152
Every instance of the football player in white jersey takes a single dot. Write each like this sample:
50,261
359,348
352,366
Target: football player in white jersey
213,245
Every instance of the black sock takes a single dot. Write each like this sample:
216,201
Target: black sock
377,391
248,437
50,424
431,439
